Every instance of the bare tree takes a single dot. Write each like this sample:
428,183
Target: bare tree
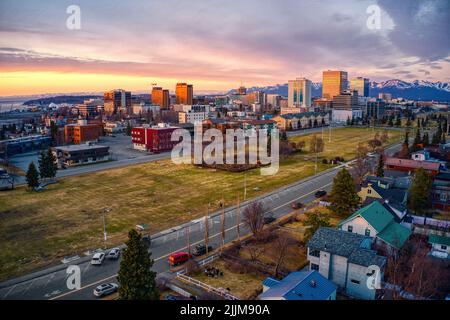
316,146
254,251
361,167
253,217
279,249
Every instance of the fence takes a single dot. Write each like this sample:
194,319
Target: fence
424,221
221,292
201,263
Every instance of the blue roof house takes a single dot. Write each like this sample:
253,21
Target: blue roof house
301,285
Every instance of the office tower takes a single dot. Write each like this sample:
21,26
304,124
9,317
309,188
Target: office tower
361,85
160,97
299,93
184,93
117,101
334,83
242,90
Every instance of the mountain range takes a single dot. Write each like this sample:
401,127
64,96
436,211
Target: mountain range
416,90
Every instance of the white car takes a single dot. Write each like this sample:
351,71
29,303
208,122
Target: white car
105,289
114,254
98,258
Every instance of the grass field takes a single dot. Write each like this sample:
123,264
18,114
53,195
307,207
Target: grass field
38,228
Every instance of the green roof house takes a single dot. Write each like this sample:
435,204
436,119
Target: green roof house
376,221
440,246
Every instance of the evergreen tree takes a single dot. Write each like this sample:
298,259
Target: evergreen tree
425,139
53,132
420,192
398,122
391,122
314,221
417,140
380,166
284,136
43,165
129,128
32,176
348,121
51,163
344,199
136,279
444,138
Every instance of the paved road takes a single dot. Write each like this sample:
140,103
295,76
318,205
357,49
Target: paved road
51,283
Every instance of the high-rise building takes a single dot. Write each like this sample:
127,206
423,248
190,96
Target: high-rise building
242,90
361,85
117,101
334,83
184,93
160,97
299,93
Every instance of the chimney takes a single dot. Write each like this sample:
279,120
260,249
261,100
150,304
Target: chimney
313,284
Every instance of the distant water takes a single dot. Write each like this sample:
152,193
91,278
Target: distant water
6,107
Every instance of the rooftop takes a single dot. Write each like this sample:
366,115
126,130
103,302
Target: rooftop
350,245
413,164
80,147
302,285
436,239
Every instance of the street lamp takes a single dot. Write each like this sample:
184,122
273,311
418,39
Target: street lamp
105,211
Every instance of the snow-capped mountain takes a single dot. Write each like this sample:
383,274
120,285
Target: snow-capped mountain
416,90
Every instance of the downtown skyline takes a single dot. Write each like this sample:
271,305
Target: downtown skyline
132,44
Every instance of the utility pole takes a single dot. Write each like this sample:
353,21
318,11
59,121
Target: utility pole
238,218
245,186
329,131
207,229
188,240
105,236
223,224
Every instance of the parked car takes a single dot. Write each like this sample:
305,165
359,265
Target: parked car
173,297
200,250
98,258
105,289
114,254
178,258
268,219
296,205
320,193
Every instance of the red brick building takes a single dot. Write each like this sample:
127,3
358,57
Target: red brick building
82,132
154,139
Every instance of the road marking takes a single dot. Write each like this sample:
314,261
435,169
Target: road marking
9,291
185,247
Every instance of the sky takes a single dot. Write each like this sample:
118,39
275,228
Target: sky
216,44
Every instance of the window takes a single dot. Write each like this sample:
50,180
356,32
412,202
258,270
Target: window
444,247
367,232
314,253
350,228
314,266
369,191
355,281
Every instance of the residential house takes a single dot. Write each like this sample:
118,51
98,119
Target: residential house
346,259
440,192
440,246
376,221
301,285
